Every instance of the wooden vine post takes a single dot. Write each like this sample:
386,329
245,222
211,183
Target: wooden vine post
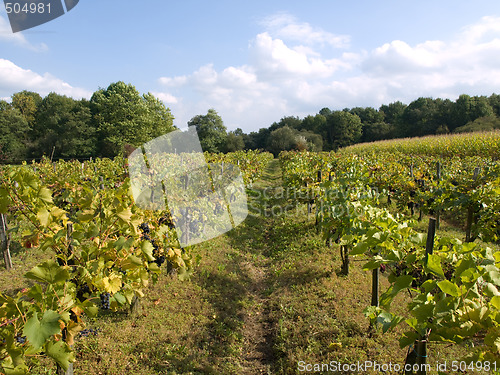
309,205
417,353
186,219
375,286
412,206
438,178
344,254
60,370
5,242
316,198
470,214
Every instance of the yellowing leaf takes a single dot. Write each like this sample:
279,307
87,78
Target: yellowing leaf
449,288
112,284
44,217
125,215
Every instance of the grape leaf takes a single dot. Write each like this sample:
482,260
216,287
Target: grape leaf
449,288
61,353
37,332
48,272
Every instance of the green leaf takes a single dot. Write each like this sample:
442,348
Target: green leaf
400,283
449,288
61,353
183,274
125,215
495,302
434,265
428,285
45,195
491,290
44,217
407,339
371,265
90,308
120,299
388,320
11,369
147,250
419,239
48,272
360,248
37,332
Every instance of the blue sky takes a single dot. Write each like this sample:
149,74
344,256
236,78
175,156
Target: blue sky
257,61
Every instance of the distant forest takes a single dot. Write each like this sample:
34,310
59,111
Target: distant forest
57,126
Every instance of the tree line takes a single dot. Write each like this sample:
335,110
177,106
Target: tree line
332,129
61,127
57,126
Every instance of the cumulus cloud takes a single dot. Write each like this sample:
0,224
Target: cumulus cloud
7,36
287,27
14,79
166,97
273,59
288,75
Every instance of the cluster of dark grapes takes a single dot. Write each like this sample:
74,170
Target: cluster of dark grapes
159,259
105,300
167,220
83,293
144,227
88,332
399,269
419,277
449,270
20,339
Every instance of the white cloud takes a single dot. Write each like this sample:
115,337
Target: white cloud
282,78
14,79
173,82
6,35
273,59
166,97
287,27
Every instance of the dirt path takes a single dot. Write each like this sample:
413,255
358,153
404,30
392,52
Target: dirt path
258,329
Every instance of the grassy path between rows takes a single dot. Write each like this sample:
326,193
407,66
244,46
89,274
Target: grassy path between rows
263,298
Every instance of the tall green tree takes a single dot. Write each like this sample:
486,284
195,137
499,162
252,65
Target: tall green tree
468,109
282,139
13,133
344,129
122,116
368,115
235,141
27,103
211,131
494,101
292,122
420,118
159,120
393,112
63,127
314,124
